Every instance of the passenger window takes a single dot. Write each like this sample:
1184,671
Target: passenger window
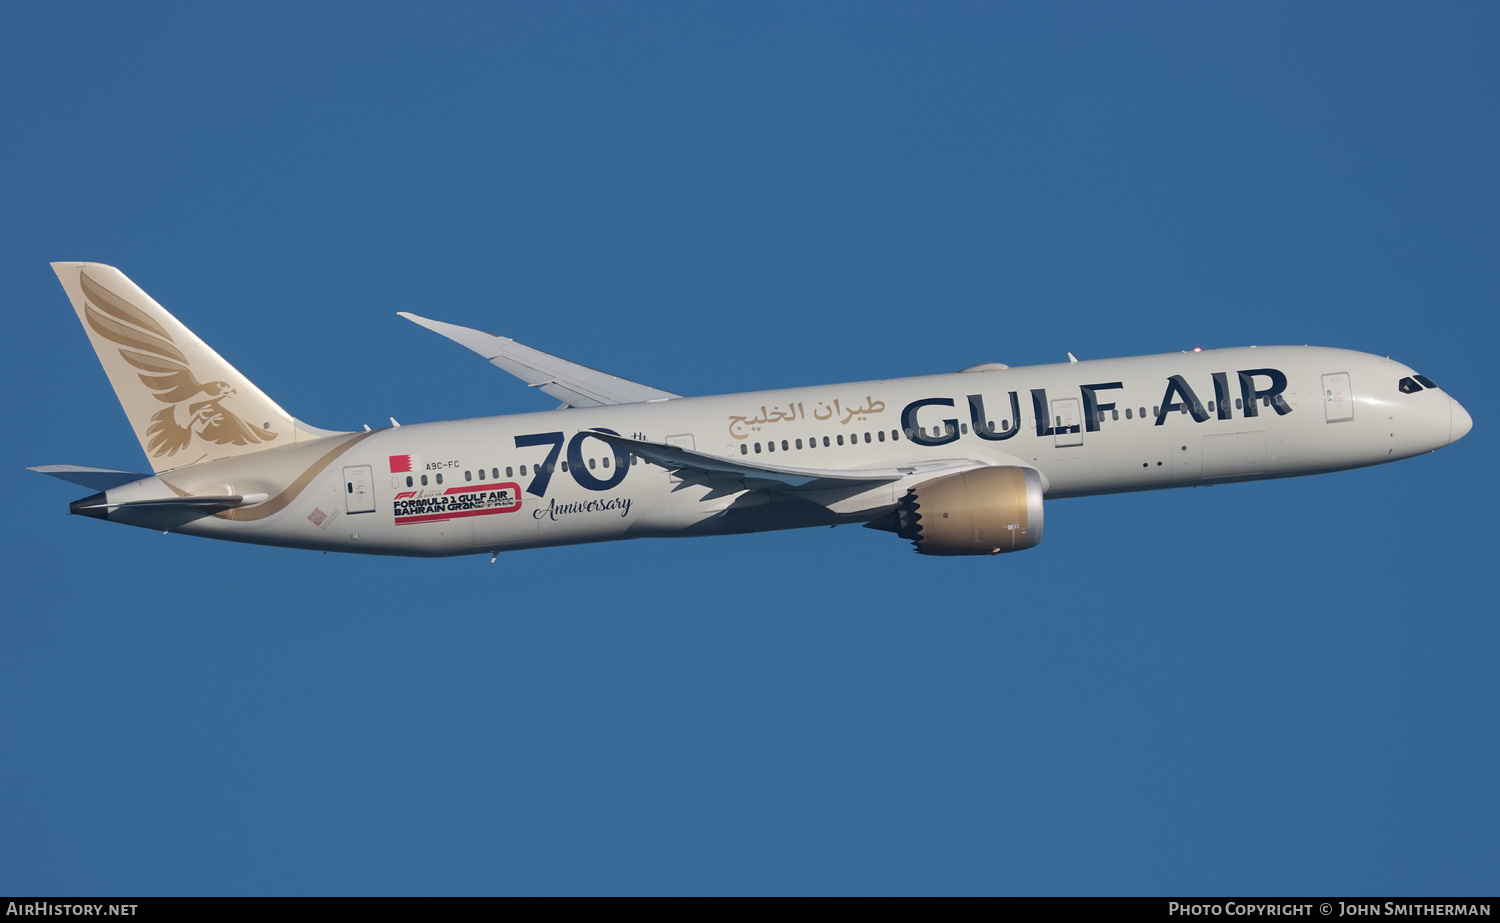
825,442
424,480
867,437
799,443
771,445
1237,404
408,480
757,448
591,464
469,477
565,467
881,435
1115,415
784,447
440,479
744,449
605,461
523,471
841,439
1127,413
508,472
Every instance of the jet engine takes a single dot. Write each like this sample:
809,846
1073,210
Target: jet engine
982,511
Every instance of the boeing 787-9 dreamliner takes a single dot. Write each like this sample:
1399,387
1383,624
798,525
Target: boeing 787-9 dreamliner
958,464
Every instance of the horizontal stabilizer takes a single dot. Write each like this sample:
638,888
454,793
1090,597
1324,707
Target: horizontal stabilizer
99,506
573,384
92,478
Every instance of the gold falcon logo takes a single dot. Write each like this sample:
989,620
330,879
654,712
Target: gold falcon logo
194,408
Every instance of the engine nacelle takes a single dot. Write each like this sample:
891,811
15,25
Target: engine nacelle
983,511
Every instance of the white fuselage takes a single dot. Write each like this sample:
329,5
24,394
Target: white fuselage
1092,427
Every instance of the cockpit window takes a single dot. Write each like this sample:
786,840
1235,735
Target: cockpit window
1424,381
1408,386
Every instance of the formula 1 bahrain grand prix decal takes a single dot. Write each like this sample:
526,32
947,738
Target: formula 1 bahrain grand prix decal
456,503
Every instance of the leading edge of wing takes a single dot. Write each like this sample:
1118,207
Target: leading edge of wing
713,467
573,384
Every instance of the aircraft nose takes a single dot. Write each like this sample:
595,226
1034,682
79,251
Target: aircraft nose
1461,422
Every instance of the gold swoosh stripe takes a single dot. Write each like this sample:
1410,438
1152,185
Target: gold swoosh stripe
284,499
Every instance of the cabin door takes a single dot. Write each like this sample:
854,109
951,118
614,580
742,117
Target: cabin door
1338,397
1067,421
359,490
684,440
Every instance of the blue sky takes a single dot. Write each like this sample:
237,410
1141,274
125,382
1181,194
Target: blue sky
1283,687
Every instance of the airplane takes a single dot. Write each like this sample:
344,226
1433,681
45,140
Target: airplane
957,464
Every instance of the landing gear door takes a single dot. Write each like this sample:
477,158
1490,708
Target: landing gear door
1338,397
359,490
1067,421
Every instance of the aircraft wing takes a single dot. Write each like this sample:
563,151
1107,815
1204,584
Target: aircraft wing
573,384
700,466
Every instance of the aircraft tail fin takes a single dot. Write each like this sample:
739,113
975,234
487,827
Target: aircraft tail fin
185,403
